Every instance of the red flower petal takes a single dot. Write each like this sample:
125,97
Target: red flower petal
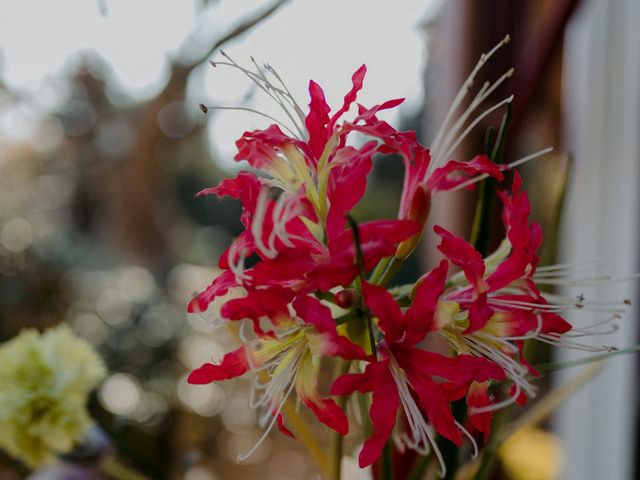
385,402
347,183
462,254
267,302
384,307
218,287
232,365
419,318
329,413
478,397
283,428
356,79
317,120
453,173
313,312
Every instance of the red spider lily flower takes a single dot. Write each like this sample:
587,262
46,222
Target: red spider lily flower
289,360
406,375
495,304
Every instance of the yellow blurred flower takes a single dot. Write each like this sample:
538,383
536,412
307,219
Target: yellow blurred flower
532,454
45,380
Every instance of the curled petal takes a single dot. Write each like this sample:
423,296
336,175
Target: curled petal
218,287
270,302
283,428
356,79
233,364
454,173
329,413
317,120
462,254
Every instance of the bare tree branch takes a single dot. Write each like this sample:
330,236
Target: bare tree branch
238,31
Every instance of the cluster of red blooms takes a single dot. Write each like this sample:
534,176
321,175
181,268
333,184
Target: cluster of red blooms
316,286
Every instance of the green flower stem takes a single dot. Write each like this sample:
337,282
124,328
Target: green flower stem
392,269
377,273
488,458
419,467
450,451
342,367
386,462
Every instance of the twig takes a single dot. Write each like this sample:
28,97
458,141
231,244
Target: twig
238,31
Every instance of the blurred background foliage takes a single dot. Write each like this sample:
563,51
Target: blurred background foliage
99,228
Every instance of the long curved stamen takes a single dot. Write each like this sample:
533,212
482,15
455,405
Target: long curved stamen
559,341
422,438
236,266
468,130
460,96
514,370
509,166
474,444
497,406
278,95
252,110
244,456
258,223
275,392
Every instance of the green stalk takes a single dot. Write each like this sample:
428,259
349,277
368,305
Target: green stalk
337,440
389,273
489,456
386,464
419,468
379,270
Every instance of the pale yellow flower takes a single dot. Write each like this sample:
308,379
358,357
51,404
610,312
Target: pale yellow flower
532,454
45,380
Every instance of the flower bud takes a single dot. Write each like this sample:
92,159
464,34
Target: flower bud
345,298
418,212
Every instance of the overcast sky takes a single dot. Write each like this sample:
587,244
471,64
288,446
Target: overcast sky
325,40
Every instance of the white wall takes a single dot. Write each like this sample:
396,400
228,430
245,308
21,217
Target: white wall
602,105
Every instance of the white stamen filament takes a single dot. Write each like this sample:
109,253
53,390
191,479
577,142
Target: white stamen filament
484,92
559,341
509,166
466,433
440,160
257,112
237,266
514,371
422,438
258,222
275,393
274,92
462,93
497,406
